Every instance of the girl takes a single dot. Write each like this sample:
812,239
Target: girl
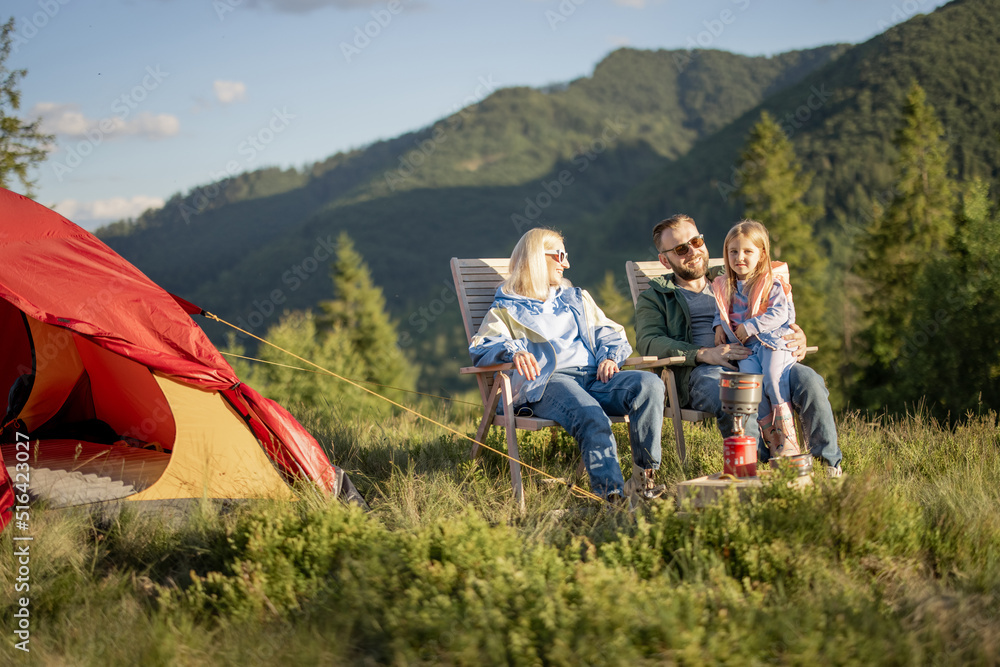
755,308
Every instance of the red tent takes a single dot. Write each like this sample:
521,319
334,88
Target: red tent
106,368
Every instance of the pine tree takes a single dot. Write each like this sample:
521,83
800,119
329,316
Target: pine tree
353,338
357,312
298,331
950,357
773,191
298,386
21,144
914,228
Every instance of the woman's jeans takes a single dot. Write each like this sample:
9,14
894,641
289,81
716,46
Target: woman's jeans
580,403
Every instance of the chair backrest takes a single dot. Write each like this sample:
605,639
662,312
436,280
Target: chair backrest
640,273
476,281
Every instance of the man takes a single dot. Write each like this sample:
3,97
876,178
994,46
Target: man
674,318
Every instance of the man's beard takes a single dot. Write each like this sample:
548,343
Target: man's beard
685,273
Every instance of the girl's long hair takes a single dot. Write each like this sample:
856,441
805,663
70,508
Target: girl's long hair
757,234
529,274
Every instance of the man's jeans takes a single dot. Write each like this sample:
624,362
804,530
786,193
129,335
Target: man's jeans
810,398
581,403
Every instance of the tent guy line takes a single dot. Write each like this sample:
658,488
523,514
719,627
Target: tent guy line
570,485
375,384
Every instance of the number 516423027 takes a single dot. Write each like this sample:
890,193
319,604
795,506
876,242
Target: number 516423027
22,474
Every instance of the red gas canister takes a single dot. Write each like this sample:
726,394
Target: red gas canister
739,456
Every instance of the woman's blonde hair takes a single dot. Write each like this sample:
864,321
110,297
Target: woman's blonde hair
757,234
529,274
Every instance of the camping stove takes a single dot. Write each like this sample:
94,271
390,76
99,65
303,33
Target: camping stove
740,394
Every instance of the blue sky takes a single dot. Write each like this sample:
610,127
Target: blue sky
148,98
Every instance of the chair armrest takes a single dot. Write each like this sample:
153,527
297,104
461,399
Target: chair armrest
485,369
632,361
640,363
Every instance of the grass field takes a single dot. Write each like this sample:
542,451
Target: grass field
896,563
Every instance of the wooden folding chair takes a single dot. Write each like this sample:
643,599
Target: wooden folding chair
639,274
476,282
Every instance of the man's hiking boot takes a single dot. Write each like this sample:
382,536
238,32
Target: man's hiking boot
641,485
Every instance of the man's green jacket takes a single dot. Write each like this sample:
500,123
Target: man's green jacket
663,326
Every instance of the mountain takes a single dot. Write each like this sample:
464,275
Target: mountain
842,119
600,158
467,185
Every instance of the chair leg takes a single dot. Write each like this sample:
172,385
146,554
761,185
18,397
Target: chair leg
674,410
510,421
489,415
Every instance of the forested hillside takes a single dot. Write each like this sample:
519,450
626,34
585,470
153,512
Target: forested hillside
452,188
602,159
842,118
844,122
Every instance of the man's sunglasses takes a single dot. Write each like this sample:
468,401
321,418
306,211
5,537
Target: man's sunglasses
560,255
682,249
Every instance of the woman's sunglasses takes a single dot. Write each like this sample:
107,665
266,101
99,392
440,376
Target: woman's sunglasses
560,255
682,249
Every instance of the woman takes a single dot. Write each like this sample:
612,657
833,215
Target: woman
567,355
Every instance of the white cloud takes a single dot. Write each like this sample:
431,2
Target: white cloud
619,40
228,92
634,4
60,118
67,120
92,214
153,126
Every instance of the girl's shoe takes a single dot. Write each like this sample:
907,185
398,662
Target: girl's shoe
784,441
770,435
